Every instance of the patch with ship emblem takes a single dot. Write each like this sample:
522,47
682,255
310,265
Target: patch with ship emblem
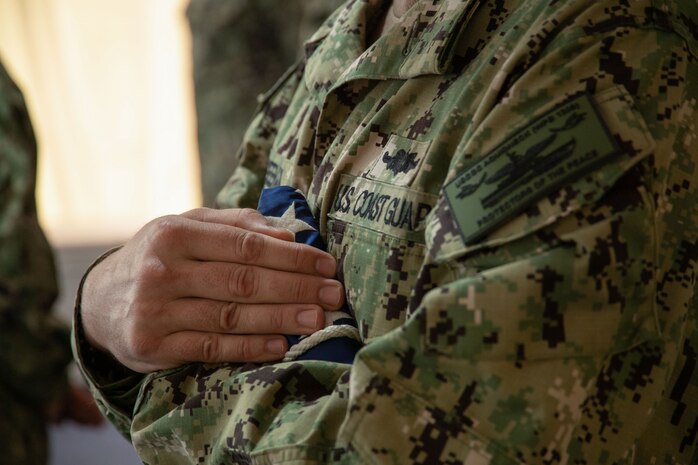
562,144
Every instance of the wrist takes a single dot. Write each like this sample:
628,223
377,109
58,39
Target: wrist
90,298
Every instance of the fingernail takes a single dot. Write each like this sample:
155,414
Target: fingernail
275,346
331,295
308,319
326,267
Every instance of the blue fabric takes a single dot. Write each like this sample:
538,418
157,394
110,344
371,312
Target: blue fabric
275,202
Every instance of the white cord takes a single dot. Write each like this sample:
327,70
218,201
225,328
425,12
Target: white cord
325,334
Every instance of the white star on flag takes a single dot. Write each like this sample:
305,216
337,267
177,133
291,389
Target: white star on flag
289,221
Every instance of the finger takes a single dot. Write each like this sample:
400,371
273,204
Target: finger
223,243
245,218
192,346
252,284
238,318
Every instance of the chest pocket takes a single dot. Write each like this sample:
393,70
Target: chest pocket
376,231
378,271
376,222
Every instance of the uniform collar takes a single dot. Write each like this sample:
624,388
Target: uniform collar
421,43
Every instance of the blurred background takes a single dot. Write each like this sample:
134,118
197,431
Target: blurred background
138,108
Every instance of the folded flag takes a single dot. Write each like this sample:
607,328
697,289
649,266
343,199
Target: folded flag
339,340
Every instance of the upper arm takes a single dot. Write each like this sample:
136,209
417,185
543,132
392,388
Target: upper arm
555,331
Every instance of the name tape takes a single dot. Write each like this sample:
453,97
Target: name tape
394,210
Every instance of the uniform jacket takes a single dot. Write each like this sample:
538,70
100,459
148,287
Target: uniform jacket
510,190
34,347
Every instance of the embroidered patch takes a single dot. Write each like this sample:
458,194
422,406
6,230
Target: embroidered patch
400,161
390,209
566,142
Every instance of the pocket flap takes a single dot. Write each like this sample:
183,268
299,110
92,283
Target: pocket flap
563,160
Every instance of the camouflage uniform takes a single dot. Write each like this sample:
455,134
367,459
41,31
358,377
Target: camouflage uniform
510,188
34,348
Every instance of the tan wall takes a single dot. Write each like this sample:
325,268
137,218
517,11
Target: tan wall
108,84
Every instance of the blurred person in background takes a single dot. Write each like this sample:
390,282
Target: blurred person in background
240,48
34,345
508,194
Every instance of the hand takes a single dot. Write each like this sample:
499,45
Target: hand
207,286
77,405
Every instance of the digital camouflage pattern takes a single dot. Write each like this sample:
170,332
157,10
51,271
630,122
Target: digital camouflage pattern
34,348
556,326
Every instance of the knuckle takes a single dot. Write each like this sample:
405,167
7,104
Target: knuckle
276,321
229,316
153,259
139,316
198,214
136,313
249,214
139,338
297,256
243,282
210,348
300,290
165,230
139,347
151,272
249,245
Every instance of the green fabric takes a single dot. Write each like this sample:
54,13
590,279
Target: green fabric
566,334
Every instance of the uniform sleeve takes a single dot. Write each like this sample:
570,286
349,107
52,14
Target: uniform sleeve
113,386
556,337
34,347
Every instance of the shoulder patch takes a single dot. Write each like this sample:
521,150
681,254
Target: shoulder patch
566,142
